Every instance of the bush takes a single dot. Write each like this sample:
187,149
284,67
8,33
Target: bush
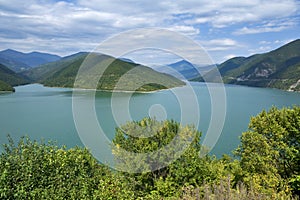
270,151
32,170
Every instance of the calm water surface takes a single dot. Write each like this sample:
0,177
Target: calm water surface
46,113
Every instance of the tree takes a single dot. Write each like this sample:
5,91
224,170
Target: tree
5,87
32,170
186,168
270,150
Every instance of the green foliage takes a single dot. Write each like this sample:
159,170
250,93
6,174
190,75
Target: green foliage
47,70
295,184
10,77
63,73
270,150
189,169
30,170
6,87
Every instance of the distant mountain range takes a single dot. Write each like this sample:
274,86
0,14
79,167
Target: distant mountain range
183,69
41,73
62,73
279,68
18,61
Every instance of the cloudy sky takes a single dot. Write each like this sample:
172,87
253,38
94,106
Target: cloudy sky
225,28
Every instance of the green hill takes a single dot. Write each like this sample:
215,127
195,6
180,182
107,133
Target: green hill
6,87
9,78
62,73
279,68
47,70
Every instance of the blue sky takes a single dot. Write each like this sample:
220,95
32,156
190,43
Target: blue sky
225,28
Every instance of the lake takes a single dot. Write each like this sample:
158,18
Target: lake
46,113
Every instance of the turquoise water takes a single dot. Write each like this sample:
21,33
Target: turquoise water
46,113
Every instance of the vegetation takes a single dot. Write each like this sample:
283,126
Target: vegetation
31,170
8,78
5,87
63,74
277,69
267,168
41,73
270,150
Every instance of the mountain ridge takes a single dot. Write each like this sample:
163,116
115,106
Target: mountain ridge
279,68
183,69
9,79
19,61
62,73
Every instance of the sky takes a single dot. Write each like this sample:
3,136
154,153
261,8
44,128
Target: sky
224,28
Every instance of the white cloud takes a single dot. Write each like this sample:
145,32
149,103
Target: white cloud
61,46
262,29
219,14
220,44
223,42
246,30
275,25
266,46
283,42
227,57
80,24
187,30
224,13
265,42
261,49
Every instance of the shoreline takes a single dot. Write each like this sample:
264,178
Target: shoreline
6,92
146,92
112,91
241,85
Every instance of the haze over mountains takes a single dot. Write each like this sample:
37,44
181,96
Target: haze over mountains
18,61
279,68
183,69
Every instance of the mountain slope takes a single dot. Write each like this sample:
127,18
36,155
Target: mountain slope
184,68
63,73
13,64
4,87
41,73
19,61
9,78
279,68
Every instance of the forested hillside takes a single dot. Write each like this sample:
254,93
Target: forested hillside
9,78
279,68
63,73
6,87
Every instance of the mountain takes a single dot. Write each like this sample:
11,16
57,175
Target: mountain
62,73
18,61
9,78
13,64
183,68
41,73
279,68
4,87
